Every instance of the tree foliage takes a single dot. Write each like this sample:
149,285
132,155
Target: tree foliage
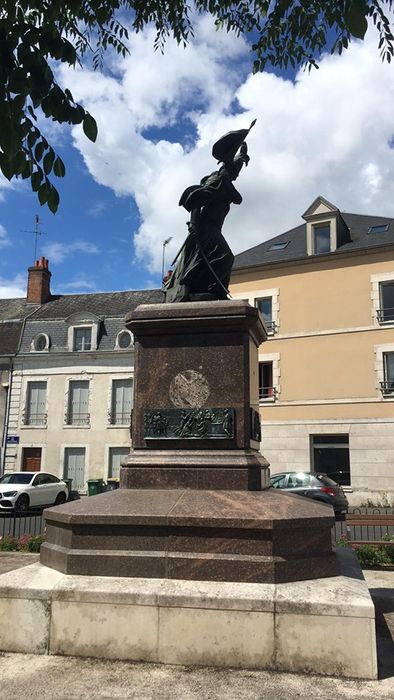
35,35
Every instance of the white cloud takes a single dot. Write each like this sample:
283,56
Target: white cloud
58,252
78,286
13,288
328,133
4,241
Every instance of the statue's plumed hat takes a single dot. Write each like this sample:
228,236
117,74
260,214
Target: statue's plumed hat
225,149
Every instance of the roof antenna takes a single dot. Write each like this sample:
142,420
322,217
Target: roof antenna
37,232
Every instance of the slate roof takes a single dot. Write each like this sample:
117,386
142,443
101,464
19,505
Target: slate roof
103,305
12,314
358,225
110,307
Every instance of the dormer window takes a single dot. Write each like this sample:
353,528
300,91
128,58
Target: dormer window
321,238
82,339
326,230
82,333
40,343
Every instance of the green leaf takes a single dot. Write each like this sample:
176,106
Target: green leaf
35,180
48,161
355,18
53,199
58,167
90,127
43,192
39,150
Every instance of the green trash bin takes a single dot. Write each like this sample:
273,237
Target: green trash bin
112,484
69,486
95,486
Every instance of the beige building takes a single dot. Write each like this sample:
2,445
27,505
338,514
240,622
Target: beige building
71,393
326,293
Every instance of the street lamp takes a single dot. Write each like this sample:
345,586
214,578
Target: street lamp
166,242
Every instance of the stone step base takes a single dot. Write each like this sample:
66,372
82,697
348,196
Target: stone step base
324,626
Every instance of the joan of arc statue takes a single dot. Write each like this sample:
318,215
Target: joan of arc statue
203,265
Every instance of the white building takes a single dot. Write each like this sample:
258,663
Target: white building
72,383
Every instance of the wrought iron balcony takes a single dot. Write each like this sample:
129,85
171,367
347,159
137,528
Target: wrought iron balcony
119,418
72,418
271,327
35,419
385,315
267,393
387,387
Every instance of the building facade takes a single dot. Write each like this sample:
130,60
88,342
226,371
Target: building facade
72,383
326,293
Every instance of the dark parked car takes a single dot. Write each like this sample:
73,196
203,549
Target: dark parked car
313,485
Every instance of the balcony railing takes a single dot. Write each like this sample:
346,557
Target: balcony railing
72,418
116,418
35,419
387,387
385,315
267,393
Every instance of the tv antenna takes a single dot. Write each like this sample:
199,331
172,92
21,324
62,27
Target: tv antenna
37,232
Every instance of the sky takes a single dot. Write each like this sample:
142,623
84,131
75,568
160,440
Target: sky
327,132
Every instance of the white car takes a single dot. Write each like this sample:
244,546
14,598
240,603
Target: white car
24,490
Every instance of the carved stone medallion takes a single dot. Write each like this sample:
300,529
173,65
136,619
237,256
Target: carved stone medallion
189,389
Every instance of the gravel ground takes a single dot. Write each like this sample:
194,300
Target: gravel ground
57,678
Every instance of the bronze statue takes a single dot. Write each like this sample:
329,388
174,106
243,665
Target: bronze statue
203,265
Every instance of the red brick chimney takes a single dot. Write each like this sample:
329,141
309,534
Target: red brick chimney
38,290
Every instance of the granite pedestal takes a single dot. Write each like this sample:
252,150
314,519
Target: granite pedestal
194,501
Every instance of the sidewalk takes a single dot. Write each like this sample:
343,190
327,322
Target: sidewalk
70,678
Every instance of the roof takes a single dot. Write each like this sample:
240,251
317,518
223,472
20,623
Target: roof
360,239
103,305
12,314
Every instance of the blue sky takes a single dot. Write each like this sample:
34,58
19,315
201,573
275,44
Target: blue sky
327,132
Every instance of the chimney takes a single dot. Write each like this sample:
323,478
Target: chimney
38,291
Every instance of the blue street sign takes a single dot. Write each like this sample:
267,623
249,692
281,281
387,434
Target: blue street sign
13,439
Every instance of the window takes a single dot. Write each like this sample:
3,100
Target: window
386,312
380,228
35,412
41,342
124,340
279,481
321,238
74,466
78,403
279,246
121,403
82,339
266,388
116,456
264,305
330,454
387,385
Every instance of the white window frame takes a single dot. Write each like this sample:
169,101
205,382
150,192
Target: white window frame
376,281
35,339
82,321
113,379
73,445
326,220
78,378
24,394
112,446
252,298
273,357
380,351
122,332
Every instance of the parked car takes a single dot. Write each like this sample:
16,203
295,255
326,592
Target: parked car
313,485
24,490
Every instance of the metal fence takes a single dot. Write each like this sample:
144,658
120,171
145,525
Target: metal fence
366,527
16,524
